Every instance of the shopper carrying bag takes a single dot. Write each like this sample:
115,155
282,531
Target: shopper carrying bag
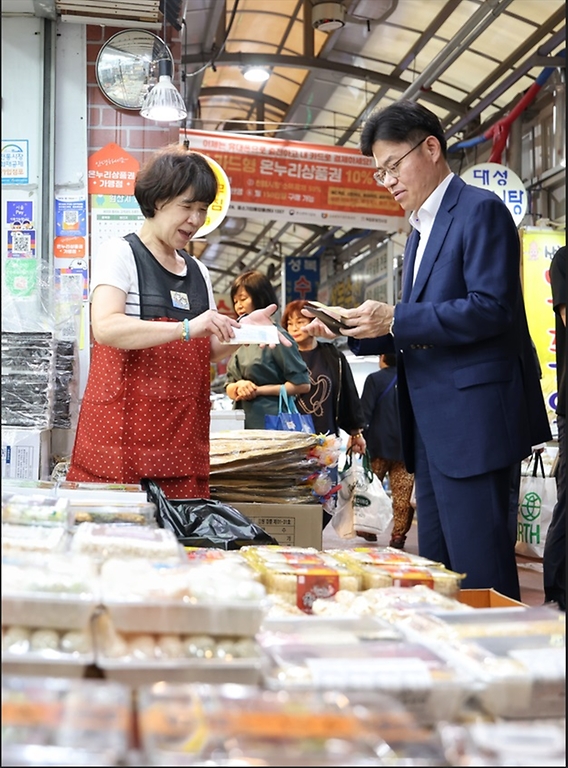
537,498
362,502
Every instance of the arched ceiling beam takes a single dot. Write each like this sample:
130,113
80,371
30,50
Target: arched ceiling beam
244,93
345,70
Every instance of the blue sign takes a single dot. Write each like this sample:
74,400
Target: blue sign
302,275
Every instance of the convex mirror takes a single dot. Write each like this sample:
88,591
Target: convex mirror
127,66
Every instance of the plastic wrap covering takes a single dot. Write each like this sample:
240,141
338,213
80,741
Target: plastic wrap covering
28,379
65,408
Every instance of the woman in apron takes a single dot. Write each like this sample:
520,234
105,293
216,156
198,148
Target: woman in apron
146,408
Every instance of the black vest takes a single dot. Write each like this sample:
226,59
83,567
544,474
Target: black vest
163,294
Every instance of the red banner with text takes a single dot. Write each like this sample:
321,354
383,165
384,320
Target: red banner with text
297,181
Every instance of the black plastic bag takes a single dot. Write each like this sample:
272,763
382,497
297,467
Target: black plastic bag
205,522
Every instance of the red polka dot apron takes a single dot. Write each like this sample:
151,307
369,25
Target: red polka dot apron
146,413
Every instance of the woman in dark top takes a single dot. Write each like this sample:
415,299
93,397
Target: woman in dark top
380,406
332,401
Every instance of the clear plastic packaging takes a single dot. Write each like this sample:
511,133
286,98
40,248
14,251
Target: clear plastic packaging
29,487
91,717
139,658
125,513
221,597
28,378
37,509
33,538
419,678
238,724
104,540
60,592
39,650
515,657
524,743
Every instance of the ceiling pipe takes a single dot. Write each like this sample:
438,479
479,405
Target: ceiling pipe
476,24
504,85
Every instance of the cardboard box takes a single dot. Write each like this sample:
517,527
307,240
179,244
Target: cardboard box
25,453
297,525
487,598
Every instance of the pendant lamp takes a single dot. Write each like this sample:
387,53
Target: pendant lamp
163,102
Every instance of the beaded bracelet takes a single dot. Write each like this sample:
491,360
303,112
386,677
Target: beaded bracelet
185,330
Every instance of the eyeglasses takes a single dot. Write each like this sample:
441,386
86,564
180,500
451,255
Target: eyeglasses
380,175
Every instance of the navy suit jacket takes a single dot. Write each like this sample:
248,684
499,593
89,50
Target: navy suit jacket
466,369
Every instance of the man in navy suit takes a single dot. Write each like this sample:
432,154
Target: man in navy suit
470,400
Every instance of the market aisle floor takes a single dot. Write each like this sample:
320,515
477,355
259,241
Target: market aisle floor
530,570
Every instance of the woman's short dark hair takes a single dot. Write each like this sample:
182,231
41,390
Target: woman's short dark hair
258,287
403,121
293,308
170,172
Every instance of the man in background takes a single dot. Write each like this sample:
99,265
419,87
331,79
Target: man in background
554,556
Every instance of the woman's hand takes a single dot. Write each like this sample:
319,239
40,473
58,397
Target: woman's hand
245,390
212,323
357,443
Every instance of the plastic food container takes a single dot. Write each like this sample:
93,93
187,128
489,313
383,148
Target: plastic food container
515,656
35,510
413,674
125,513
90,716
212,725
218,598
144,658
114,540
33,538
58,591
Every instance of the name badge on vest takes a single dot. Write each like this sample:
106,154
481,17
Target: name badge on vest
179,300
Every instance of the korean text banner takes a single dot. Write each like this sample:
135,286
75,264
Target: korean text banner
539,246
297,181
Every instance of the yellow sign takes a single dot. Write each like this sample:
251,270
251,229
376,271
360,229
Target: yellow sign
219,207
539,246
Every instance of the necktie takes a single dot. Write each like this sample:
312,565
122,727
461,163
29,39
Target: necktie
408,263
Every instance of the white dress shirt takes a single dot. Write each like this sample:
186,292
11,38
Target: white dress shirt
423,219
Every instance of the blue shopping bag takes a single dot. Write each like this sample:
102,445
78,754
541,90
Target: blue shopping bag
289,419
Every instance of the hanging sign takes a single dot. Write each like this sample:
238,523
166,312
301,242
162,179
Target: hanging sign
298,181
219,207
302,277
504,182
112,171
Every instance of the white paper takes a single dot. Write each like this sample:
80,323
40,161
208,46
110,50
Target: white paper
255,334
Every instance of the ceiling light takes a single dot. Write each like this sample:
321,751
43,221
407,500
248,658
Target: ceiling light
163,102
256,74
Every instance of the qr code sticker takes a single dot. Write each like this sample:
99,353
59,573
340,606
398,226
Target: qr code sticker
70,218
72,286
21,242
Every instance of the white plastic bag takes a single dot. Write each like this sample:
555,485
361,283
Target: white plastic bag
362,502
343,515
537,499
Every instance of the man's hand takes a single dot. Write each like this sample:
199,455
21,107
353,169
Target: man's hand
370,319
